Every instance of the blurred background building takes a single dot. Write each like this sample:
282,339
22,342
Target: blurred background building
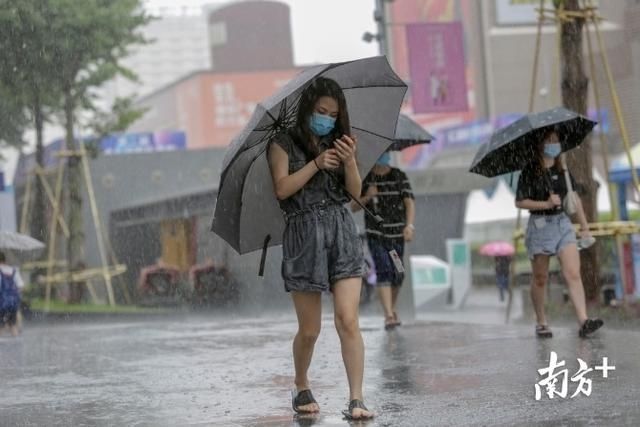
210,63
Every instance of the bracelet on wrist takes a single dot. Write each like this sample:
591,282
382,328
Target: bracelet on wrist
411,227
316,163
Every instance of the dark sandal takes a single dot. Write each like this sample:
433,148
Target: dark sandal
395,319
543,331
356,403
303,397
590,326
389,324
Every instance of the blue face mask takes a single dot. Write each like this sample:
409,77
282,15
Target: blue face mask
321,124
552,150
384,160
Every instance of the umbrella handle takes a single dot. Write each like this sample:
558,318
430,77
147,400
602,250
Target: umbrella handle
377,218
263,258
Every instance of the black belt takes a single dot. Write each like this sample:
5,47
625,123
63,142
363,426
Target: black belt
547,212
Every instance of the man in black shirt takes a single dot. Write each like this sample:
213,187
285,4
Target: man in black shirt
386,191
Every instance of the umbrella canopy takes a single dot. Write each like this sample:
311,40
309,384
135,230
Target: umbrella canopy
19,245
498,248
408,134
513,146
247,213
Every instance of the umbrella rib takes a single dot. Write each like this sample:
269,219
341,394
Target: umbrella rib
270,132
373,133
409,140
372,86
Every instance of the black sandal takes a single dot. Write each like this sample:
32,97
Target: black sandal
590,326
543,331
356,403
303,397
395,319
389,323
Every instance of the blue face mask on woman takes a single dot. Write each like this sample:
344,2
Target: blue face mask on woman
384,160
552,150
321,124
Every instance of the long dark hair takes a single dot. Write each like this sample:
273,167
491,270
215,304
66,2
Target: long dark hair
319,87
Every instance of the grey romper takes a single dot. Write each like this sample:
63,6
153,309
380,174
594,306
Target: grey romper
320,242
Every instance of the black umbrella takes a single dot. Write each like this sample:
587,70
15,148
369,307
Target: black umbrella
247,214
513,146
408,134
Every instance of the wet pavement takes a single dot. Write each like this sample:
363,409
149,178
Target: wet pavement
481,306
201,370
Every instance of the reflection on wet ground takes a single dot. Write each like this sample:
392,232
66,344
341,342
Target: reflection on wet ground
196,370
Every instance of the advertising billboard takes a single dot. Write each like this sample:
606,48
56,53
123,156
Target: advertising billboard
437,67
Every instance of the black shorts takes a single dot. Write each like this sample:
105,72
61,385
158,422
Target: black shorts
386,272
320,246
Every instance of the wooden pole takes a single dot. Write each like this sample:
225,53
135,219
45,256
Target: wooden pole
52,198
97,224
53,232
616,102
26,202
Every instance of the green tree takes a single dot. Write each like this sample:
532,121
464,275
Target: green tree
14,119
25,64
92,36
120,116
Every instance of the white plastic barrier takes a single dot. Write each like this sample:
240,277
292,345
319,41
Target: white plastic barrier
431,281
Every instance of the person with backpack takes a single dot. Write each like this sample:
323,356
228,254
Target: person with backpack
10,285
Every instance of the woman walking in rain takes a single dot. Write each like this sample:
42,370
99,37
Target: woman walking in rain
541,190
311,165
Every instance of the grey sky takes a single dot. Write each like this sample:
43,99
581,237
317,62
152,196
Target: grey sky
323,31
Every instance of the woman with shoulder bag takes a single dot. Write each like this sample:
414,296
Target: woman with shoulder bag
545,188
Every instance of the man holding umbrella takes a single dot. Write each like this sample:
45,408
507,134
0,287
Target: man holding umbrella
386,191
534,145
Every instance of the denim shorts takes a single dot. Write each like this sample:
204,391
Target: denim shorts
386,272
548,234
320,246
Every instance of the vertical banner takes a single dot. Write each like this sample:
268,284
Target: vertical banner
437,68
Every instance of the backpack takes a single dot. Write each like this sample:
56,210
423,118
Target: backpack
9,295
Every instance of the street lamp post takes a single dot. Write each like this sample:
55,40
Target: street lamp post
380,16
